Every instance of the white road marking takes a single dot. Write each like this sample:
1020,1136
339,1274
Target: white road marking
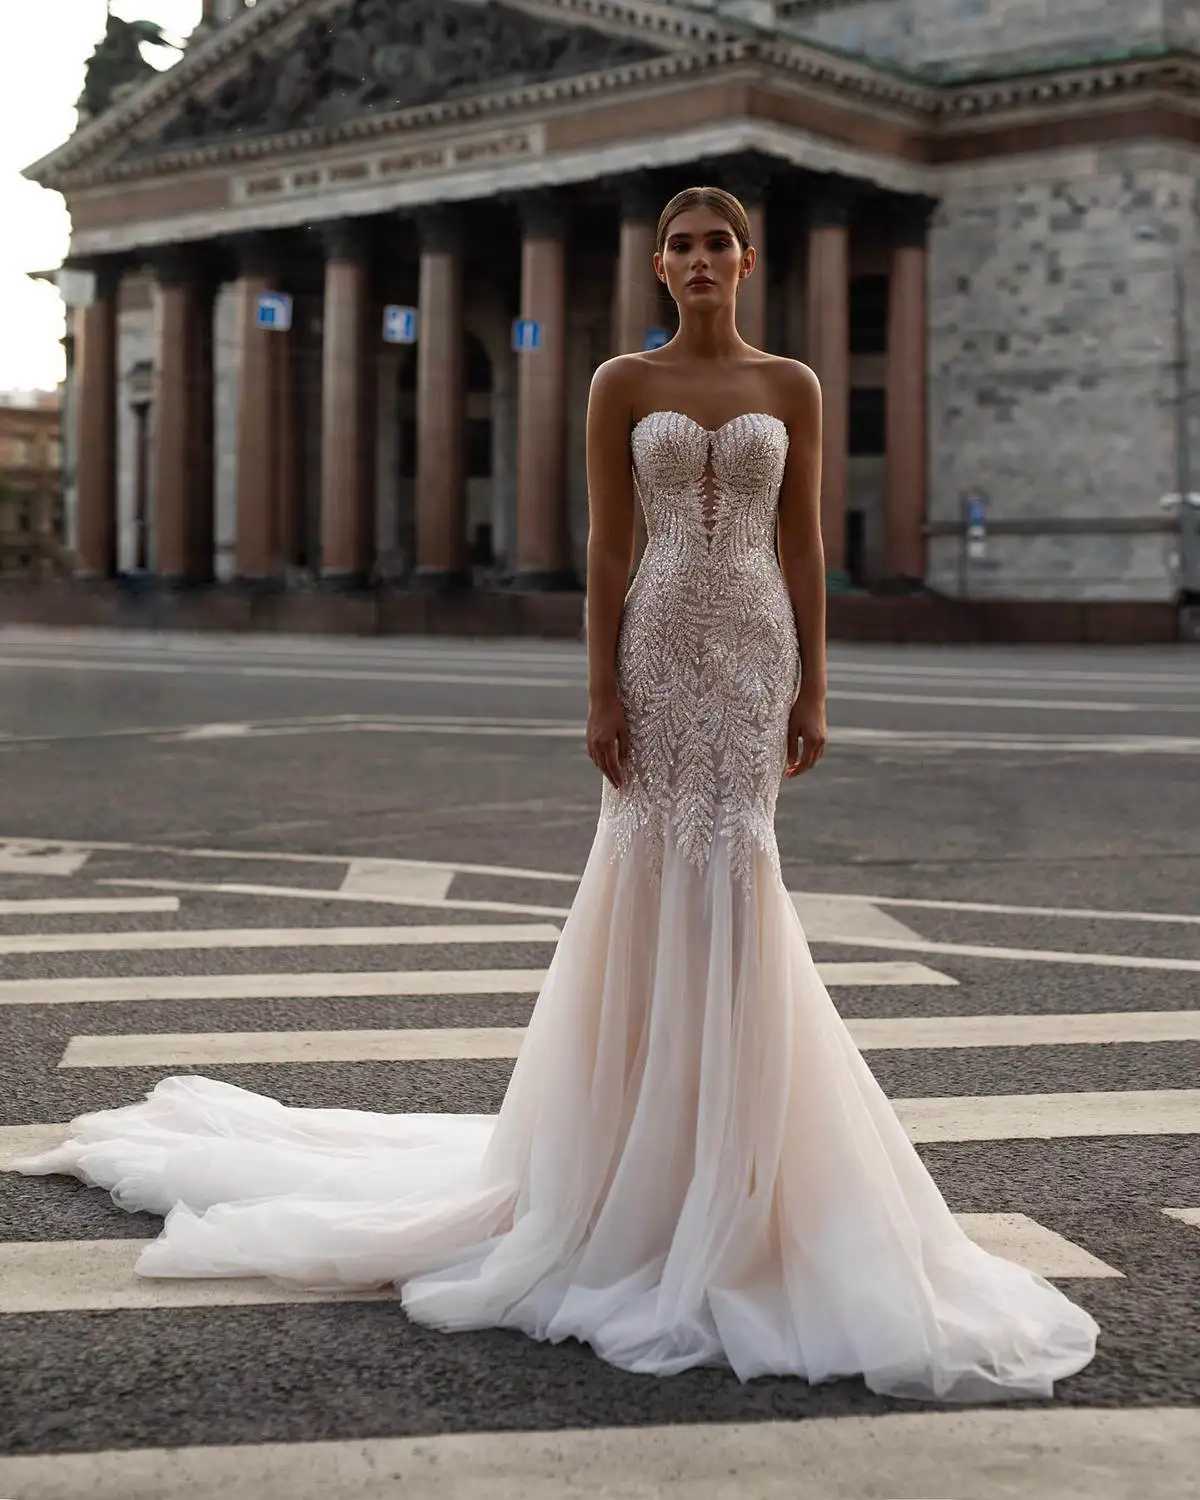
214,732
397,877
995,908
84,848
385,983
195,1049
1087,1028
1070,1453
29,858
834,919
988,1117
1044,1117
307,893
87,906
197,939
1019,1238
200,1049
1184,1215
98,1276
1031,955
56,1276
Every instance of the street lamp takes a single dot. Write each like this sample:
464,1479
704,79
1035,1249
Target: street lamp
141,398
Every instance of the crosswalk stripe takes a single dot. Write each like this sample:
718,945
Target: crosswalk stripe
1184,1215
358,896
21,859
53,1276
275,937
194,1049
396,877
1029,955
1103,1453
87,906
1043,1117
981,1117
382,984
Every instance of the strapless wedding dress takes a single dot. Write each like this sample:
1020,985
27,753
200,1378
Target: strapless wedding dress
693,1164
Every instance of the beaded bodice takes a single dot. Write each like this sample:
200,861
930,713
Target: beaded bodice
707,657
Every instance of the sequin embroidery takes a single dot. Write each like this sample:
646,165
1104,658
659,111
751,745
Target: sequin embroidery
707,657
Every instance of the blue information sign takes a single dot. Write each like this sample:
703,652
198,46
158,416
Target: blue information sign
526,335
400,325
274,311
977,512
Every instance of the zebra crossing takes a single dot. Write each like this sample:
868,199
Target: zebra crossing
403,985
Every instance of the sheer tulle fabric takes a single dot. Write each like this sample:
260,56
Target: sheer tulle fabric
692,1165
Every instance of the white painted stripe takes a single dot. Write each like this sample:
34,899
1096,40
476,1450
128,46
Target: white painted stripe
199,1049
55,1276
1018,1238
384,983
214,732
98,1276
944,742
303,986
183,851
980,1118
832,919
1184,1215
195,1049
25,859
17,1141
274,937
397,877
1031,955
1092,1028
987,1453
307,893
994,908
1044,1117
87,906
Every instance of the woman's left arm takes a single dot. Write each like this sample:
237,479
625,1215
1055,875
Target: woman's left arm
802,561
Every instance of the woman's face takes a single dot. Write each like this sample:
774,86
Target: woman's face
701,260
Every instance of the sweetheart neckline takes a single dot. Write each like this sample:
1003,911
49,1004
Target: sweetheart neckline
700,427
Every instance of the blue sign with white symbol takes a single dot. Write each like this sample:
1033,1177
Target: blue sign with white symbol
526,335
656,338
274,311
977,512
400,325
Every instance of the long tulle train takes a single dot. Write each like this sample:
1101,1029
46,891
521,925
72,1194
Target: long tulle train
693,1165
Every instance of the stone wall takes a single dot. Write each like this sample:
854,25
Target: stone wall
1054,379
989,35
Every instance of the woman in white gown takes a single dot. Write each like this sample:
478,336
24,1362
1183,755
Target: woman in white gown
693,1164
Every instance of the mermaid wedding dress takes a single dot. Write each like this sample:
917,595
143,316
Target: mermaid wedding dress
693,1164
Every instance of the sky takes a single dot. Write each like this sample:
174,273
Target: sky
44,45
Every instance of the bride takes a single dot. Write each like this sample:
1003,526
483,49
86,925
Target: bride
693,1164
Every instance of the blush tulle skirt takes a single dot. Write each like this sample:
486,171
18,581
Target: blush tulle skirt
693,1165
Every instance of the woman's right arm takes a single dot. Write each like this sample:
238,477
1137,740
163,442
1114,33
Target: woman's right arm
609,555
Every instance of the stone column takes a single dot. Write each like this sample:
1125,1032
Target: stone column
182,458
829,355
636,303
543,549
347,518
441,498
257,545
96,442
907,384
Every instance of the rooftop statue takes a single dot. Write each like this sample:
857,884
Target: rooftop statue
117,61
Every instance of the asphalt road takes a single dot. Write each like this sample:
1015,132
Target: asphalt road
1026,826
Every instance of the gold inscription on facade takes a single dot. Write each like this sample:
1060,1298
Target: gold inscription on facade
262,187
310,177
429,160
518,144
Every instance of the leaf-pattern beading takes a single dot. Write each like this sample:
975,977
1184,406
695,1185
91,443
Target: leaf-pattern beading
707,657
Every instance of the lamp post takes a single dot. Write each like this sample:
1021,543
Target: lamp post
141,398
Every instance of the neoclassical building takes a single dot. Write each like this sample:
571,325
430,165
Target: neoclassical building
306,257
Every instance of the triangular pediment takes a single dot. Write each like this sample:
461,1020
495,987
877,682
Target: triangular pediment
303,65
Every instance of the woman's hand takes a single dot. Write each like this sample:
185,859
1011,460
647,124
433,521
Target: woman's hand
608,735
806,725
